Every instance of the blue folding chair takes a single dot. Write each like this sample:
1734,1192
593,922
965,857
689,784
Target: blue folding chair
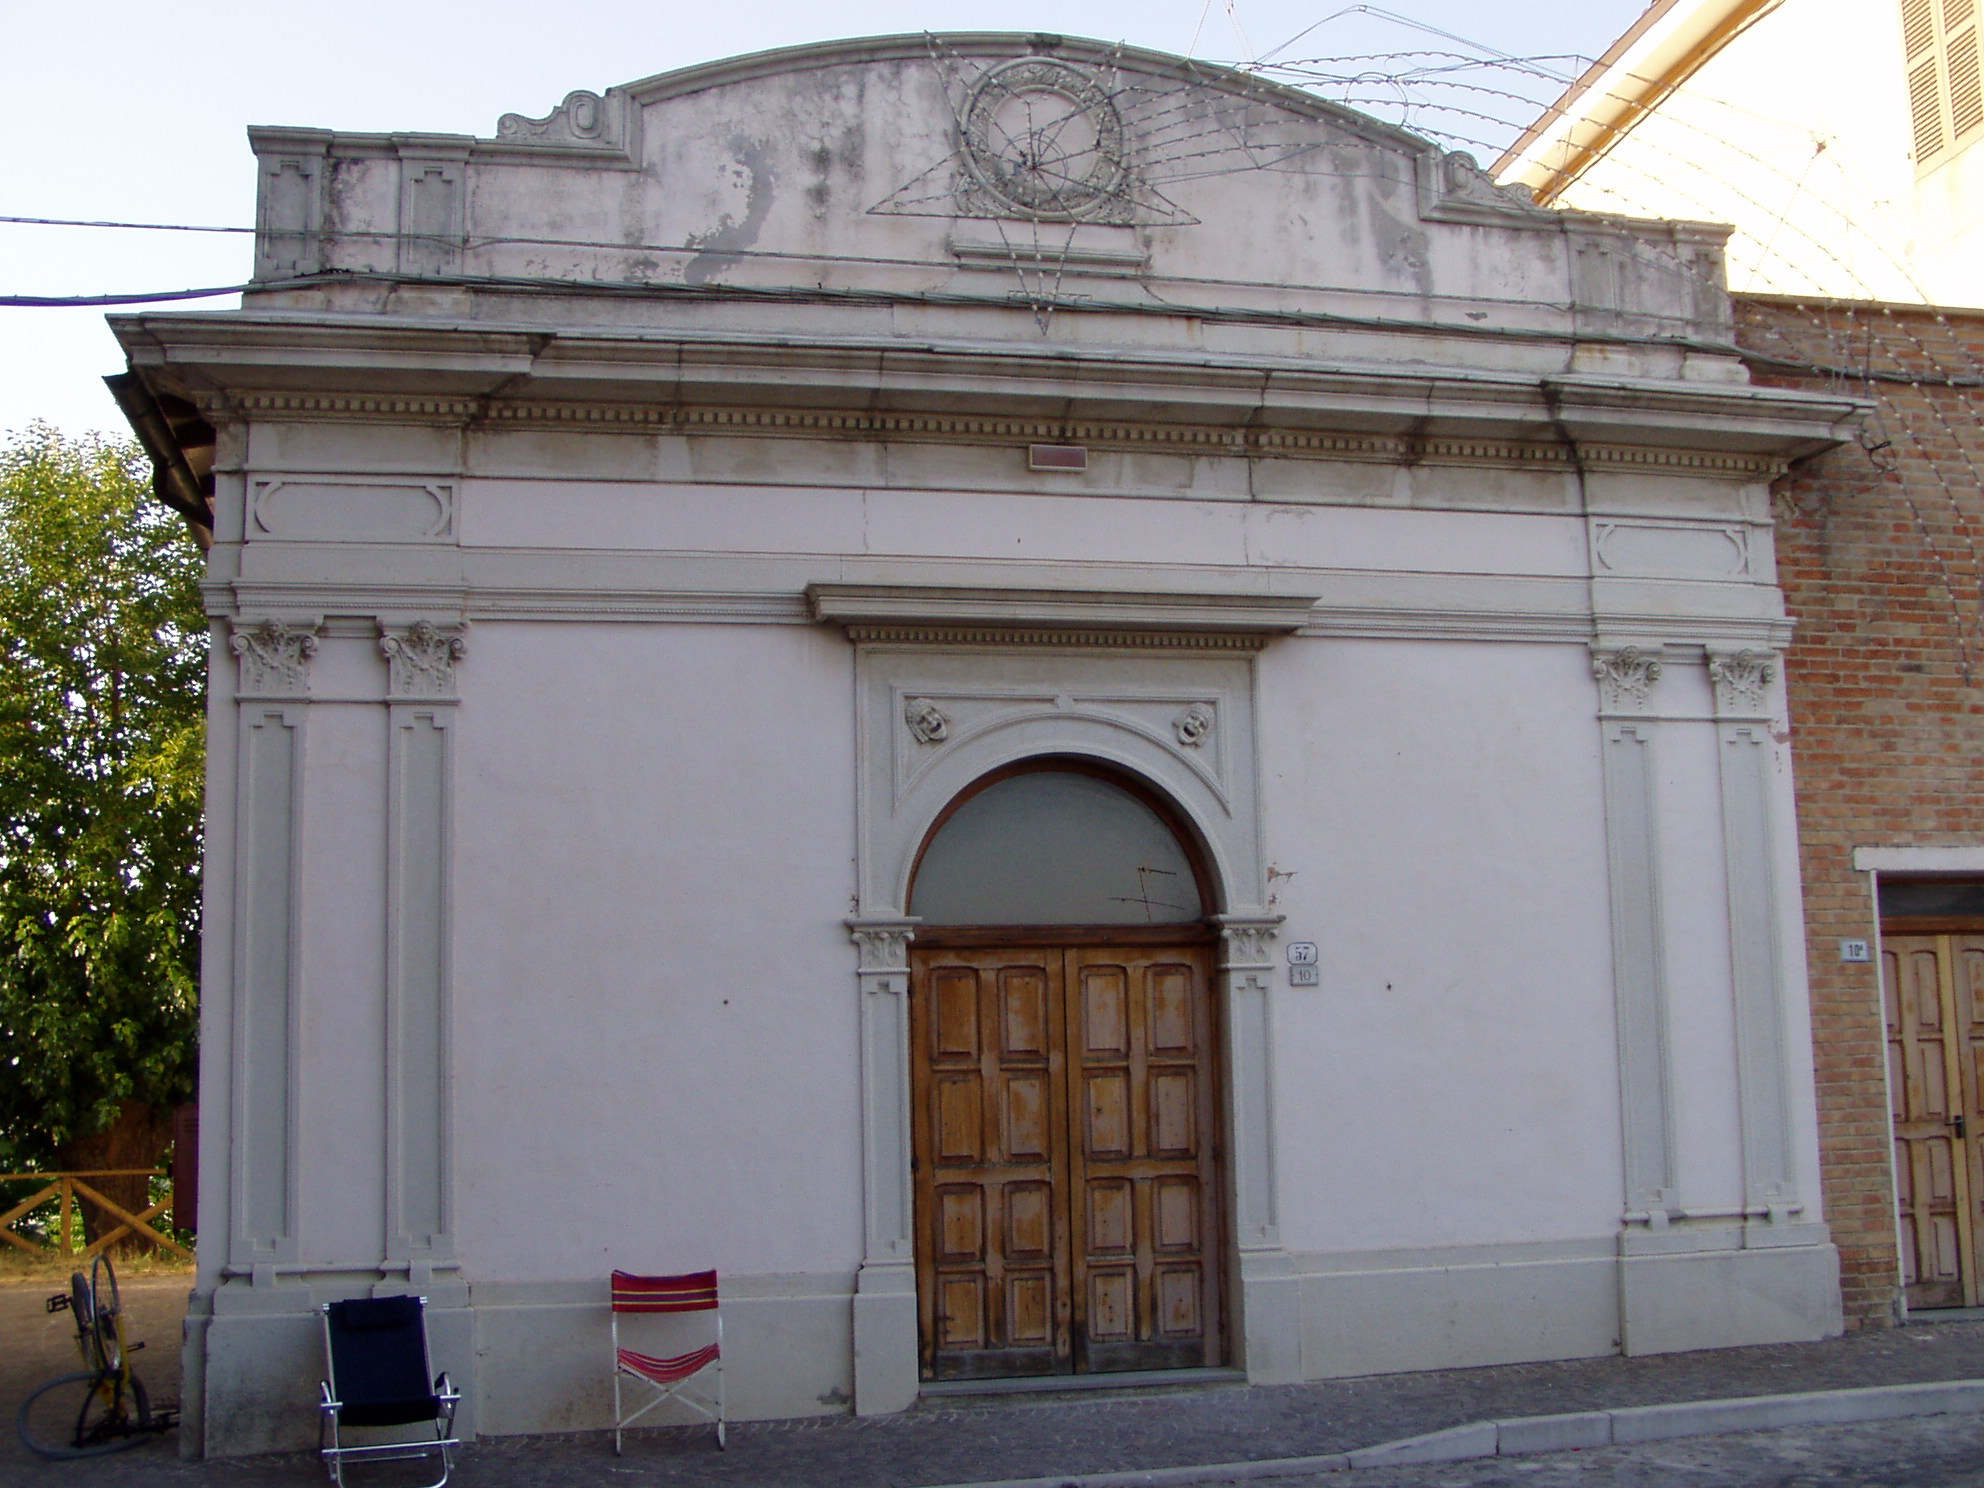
376,1352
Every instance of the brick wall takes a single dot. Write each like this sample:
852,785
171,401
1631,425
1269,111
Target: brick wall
1880,549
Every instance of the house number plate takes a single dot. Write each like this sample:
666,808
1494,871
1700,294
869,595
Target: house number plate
1302,968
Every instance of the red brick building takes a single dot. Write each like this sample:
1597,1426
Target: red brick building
1880,549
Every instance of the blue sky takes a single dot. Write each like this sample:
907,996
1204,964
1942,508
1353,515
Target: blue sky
136,113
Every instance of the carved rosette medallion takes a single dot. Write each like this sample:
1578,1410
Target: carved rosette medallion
1742,680
1194,726
1625,674
275,657
420,660
927,722
1043,139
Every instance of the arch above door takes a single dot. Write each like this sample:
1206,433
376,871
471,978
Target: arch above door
933,723
1058,841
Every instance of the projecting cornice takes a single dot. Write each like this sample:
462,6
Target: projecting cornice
282,369
937,612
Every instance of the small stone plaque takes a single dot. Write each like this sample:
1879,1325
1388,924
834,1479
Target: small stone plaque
1062,457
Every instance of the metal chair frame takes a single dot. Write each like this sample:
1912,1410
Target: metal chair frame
660,1374
330,1409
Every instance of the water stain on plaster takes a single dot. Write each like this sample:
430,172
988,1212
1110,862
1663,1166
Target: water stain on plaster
339,188
844,155
749,182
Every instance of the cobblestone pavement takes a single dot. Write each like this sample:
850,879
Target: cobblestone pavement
1928,1452
959,1441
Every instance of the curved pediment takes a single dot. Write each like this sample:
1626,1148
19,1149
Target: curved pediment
911,161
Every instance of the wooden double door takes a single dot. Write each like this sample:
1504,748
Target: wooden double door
1933,984
1065,1123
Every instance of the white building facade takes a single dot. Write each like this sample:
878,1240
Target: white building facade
1841,137
1067,711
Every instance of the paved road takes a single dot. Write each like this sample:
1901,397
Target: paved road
1929,1452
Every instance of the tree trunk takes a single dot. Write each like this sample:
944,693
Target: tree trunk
136,1139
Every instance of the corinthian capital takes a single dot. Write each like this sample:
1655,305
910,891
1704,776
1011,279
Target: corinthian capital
275,657
883,942
1742,681
1625,674
420,660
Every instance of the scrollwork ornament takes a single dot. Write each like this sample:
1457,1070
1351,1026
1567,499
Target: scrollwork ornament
927,722
1194,726
1625,675
421,660
581,117
1742,680
275,657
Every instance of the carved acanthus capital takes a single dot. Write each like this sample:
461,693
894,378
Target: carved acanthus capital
1742,681
275,657
883,943
1194,726
928,723
1625,674
1247,941
420,660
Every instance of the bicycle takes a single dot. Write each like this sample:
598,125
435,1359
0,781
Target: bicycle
103,1407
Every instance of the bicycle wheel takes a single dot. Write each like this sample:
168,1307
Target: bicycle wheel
84,1312
104,1315
84,1415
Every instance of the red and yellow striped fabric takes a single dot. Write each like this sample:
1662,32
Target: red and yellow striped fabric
693,1292
666,1371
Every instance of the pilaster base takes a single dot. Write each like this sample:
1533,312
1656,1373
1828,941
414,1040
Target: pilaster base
885,1367
1727,1296
1270,1318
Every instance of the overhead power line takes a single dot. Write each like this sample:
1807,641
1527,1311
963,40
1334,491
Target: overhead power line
133,226
58,302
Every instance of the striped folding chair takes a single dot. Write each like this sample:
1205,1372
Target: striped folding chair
666,1376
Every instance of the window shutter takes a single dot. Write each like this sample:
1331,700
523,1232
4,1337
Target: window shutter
1925,100
1918,27
1926,109
1940,40
1966,98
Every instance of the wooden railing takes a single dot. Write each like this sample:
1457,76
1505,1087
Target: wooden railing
67,1188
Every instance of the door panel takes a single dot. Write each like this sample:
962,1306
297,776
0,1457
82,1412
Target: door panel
1963,958
1932,986
986,1086
1063,1105
1144,1171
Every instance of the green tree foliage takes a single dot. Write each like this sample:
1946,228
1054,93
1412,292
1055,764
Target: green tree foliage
102,702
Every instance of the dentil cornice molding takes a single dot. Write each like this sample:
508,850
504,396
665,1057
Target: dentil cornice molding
257,366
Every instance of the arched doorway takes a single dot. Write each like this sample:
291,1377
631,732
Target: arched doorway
1064,1082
